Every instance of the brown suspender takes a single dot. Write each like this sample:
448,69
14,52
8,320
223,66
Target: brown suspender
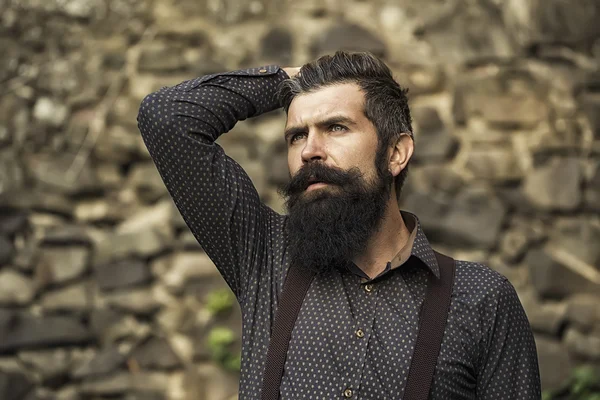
429,340
432,322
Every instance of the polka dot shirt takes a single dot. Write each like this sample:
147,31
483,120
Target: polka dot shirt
354,337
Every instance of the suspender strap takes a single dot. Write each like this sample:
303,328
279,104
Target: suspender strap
431,331
294,289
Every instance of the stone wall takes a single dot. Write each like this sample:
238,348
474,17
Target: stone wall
104,293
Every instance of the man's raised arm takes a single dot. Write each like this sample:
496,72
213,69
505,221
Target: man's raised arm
215,196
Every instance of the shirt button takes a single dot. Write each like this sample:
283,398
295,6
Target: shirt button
348,393
368,288
262,71
360,333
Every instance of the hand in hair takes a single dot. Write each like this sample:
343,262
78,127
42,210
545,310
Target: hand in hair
291,71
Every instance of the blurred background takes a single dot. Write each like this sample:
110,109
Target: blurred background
104,292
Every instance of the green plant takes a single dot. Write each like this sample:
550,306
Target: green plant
219,341
219,301
583,384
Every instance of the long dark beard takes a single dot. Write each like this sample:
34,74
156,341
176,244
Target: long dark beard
329,226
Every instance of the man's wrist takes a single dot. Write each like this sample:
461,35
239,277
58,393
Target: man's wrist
291,71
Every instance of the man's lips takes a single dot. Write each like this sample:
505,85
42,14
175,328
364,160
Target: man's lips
316,185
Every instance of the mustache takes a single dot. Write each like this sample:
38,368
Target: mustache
318,172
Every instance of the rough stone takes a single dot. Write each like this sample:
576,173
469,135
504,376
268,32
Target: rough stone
553,275
121,382
61,264
346,36
120,144
183,268
462,34
110,326
554,362
26,256
99,211
12,173
474,219
590,106
147,182
423,79
51,202
52,366
156,353
536,21
216,381
434,142
102,319
145,234
15,288
60,173
6,250
592,191
431,212
188,242
103,363
583,311
12,221
277,46
548,318
555,185
74,298
110,175
510,100
495,163
21,331
65,393
438,181
66,235
145,395
161,57
122,274
578,239
50,112
14,385
277,170
584,346
137,301
513,245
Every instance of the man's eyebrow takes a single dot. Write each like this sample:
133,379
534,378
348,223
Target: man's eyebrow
336,119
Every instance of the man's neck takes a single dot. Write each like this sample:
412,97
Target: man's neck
387,241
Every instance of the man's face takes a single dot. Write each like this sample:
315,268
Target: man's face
329,127
331,141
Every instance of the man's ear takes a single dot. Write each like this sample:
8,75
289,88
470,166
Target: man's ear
401,153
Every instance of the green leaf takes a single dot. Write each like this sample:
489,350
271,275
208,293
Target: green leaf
219,301
218,341
233,363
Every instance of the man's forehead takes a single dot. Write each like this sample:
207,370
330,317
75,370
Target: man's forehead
315,106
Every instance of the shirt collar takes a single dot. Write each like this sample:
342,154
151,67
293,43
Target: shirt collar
417,245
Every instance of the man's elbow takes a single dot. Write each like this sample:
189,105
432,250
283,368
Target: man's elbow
150,112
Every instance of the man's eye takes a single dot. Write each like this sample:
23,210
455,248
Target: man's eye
294,137
337,127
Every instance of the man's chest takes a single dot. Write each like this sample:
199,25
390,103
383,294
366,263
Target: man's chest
357,340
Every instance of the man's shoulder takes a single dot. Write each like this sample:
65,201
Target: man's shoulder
480,282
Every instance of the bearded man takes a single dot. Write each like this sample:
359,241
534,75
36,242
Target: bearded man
349,143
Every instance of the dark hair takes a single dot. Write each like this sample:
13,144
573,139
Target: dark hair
386,103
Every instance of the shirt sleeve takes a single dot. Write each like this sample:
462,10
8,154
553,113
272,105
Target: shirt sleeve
215,196
509,368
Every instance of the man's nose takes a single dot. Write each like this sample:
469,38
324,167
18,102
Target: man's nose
314,149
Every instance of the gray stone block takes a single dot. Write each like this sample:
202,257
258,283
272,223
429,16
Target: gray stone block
21,331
